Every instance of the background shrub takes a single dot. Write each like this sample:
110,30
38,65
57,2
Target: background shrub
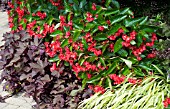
93,39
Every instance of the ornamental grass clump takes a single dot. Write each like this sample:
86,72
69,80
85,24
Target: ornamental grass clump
152,92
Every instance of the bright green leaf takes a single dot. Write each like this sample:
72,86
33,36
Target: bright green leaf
76,35
67,6
111,11
57,32
125,71
89,26
64,43
139,39
132,21
107,3
132,42
102,61
117,18
111,68
54,59
100,37
84,43
94,79
144,21
138,72
114,29
123,53
118,45
124,11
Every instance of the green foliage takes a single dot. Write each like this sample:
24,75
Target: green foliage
88,37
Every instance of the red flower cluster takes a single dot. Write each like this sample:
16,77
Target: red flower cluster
52,48
10,5
150,44
89,17
133,81
138,51
116,78
92,48
68,56
20,12
151,55
99,89
93,6
53,67
58,3
41,15
111,46
101,28
128,39
166,102
10,19
118,33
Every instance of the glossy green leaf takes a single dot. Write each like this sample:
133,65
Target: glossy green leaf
54,59
117,18
127,62
138,72
107,3
111,12
100,37
122,53
139,39
82,3
94,78
146,67
118,45
109,82
89,26
114,29
67,6
104,47
133,60
132,42
92,58
55,33
66,63
84,43
50,20
102,61
94,29
28,7
116,4
132,21
125,71
78,26
75,7
130,12
64,43
144,21
76,1
76,35
84,82
149,29
101,19
111,68
99,9
124,10
159,70
143,33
